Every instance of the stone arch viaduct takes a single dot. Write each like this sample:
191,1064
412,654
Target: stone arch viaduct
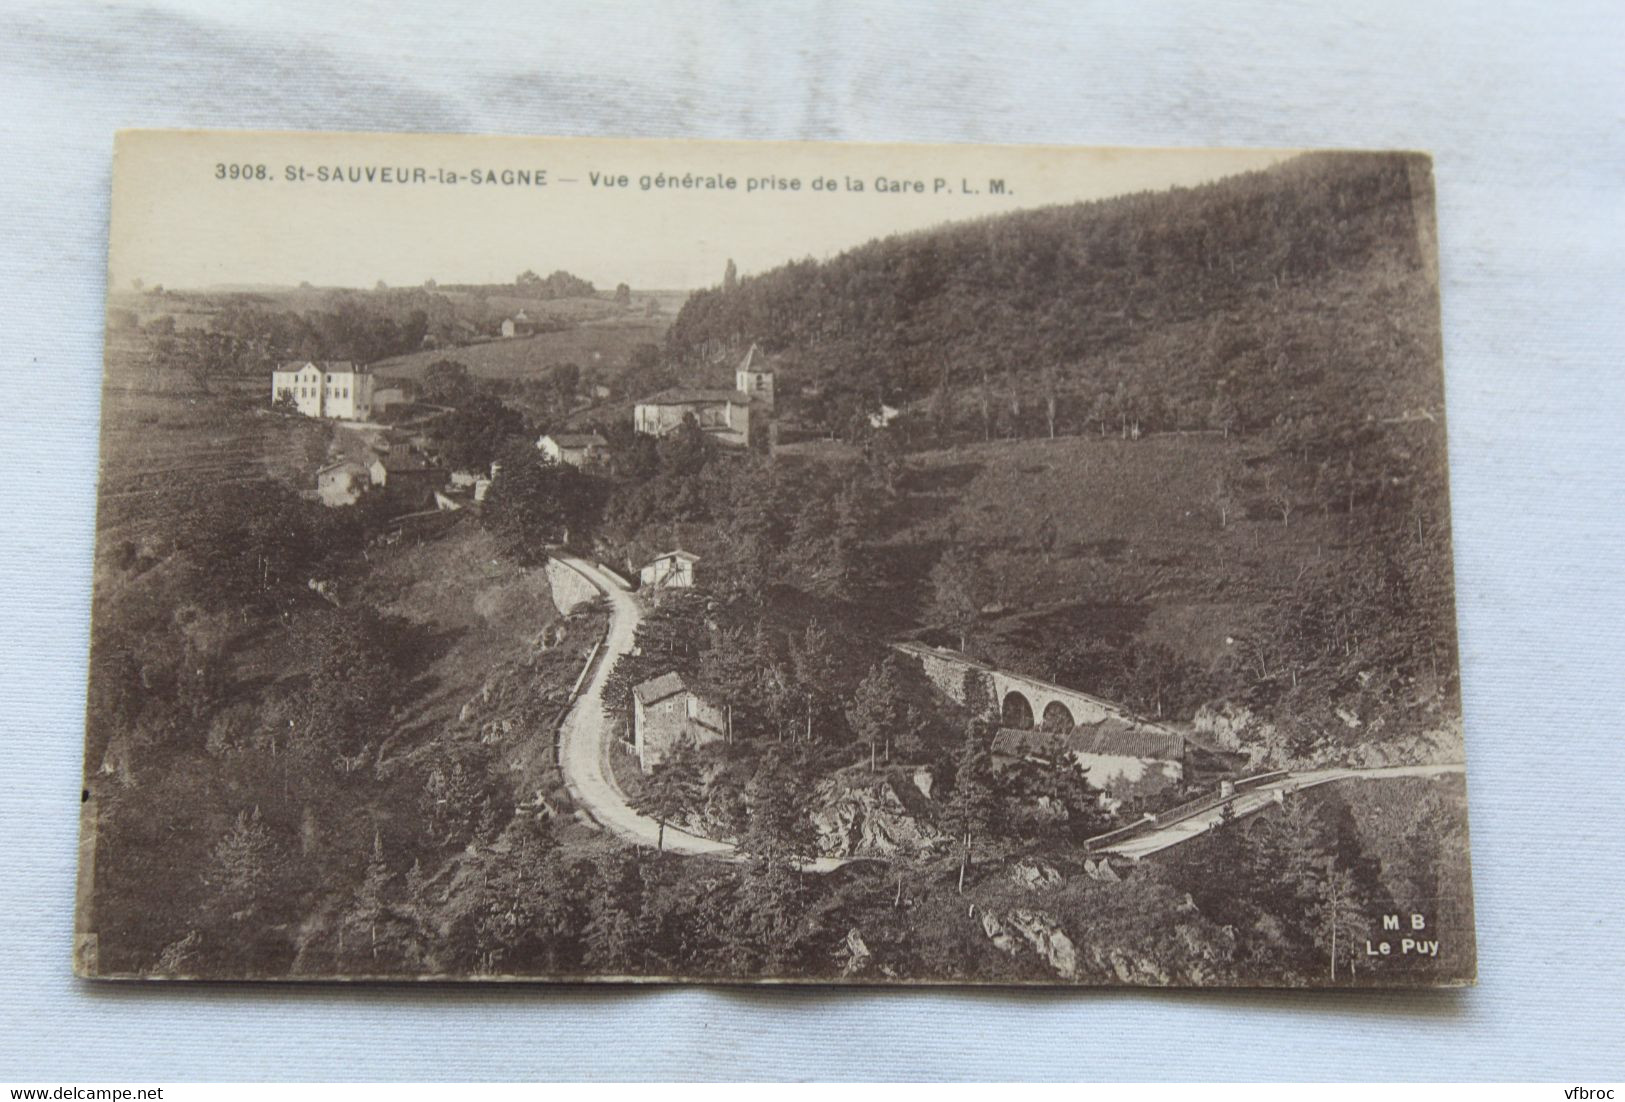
1013,699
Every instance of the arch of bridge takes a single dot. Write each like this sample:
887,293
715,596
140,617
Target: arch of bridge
1044,700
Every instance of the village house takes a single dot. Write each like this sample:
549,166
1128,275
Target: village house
665,713
518,326
724,415
673,570
1123,760
336,389
406,476
342,483
730,417
577,449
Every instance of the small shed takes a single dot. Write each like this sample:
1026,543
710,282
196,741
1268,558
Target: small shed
672,570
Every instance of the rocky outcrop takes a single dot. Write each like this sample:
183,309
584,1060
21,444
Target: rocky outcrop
1046,938
854,953
871,820
1034,874
1365,743
1037,931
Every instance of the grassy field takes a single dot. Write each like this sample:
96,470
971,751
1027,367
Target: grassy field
482,610
1137,547
603,344
161,439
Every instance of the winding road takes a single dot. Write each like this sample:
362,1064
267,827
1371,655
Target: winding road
1257,799
585,737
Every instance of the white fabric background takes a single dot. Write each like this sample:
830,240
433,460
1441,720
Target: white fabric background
1521,103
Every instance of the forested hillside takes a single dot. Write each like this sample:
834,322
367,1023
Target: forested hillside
1289,314
1282,294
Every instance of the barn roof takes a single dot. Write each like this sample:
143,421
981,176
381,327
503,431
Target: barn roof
1112,737
688,396
401,457
326,367
577,439
659,688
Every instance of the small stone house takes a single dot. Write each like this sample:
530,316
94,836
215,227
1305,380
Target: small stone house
407,476
673,570
585,449
664,713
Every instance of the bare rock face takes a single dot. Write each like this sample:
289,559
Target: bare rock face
1034,874
1048,940
869,821
999,934
856,953
924,781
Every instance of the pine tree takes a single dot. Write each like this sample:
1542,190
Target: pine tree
243,860
877,710
671,788
817,670
370,895
611,932
730,670
960,587
972,805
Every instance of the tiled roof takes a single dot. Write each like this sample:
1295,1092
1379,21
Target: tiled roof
687,396
327,367
577,439
687,556
659,688
402,458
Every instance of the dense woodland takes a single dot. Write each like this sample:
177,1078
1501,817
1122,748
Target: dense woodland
1285,321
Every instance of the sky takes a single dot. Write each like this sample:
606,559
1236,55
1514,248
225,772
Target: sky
195,209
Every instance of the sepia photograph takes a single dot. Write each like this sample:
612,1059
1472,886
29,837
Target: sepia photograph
680,561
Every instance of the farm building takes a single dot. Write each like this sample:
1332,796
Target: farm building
325,389
342,483
673,570
386,396
722,414
406,475
1123,760
664,713
577,449
518,326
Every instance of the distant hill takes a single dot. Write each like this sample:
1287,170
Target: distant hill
1305,290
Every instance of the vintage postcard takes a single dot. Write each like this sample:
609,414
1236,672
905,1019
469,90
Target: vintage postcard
662,560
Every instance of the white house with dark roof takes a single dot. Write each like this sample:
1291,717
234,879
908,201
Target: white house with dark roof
583,449
336,389
665,712
724,415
